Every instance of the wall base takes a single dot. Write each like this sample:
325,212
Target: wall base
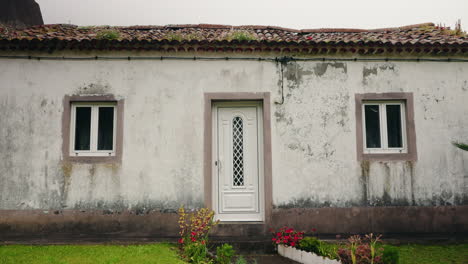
103,225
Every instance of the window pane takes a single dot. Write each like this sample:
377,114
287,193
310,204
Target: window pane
395,139
106,128
372,117
238,151
83,128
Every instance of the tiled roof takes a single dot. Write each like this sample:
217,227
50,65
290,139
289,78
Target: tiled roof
422,38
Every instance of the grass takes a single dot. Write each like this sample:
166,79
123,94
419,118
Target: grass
240,35
109,34
84,254
166,254
432,254
419,254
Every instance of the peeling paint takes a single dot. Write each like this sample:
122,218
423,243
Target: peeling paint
373,71
321,68
93,88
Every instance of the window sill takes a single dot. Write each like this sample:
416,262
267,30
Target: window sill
92,160
388,157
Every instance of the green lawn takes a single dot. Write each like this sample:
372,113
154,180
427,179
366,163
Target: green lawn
432,254
166,254
83,254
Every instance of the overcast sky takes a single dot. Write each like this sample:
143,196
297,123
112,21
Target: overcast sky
286,13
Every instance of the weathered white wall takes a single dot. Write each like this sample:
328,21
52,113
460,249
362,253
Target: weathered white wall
313,132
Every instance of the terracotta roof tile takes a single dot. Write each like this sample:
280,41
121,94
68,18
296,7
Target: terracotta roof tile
201,34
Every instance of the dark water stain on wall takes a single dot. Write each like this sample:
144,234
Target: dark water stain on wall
294,73
93,88
394,190
367,72
141,207
465,86
365,168
313,202
321,68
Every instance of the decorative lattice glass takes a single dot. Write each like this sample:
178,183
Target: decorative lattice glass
238,151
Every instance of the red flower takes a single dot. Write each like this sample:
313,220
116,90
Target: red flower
181,240
203,242
293,244
313,229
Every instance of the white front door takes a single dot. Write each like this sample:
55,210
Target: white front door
238,161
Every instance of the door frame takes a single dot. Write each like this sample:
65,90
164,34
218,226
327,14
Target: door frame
239,217
264,98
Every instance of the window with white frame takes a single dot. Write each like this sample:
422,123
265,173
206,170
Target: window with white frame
384,127
93,129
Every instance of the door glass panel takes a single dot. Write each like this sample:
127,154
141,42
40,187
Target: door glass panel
395,139
372,117
83,128
106,128
238,151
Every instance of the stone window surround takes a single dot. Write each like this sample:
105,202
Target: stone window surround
66,117
411,154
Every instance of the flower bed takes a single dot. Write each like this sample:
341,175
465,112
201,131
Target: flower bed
358,250
303,256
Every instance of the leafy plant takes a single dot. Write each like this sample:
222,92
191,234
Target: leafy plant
359,251
224,254
354,242
241,260
196,252
373,240
314,245
328,250
310,244
109,34
194,230
390,255
461,146
287,236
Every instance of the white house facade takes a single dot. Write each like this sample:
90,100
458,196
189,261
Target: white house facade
102,140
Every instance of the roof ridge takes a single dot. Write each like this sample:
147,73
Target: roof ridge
261,27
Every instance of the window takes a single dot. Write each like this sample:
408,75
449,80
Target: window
384,127
238,151
93,129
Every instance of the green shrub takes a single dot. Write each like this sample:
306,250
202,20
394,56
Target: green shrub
328,250
391,255
314,245
108,34
196,252
224,254
241,260
310,244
